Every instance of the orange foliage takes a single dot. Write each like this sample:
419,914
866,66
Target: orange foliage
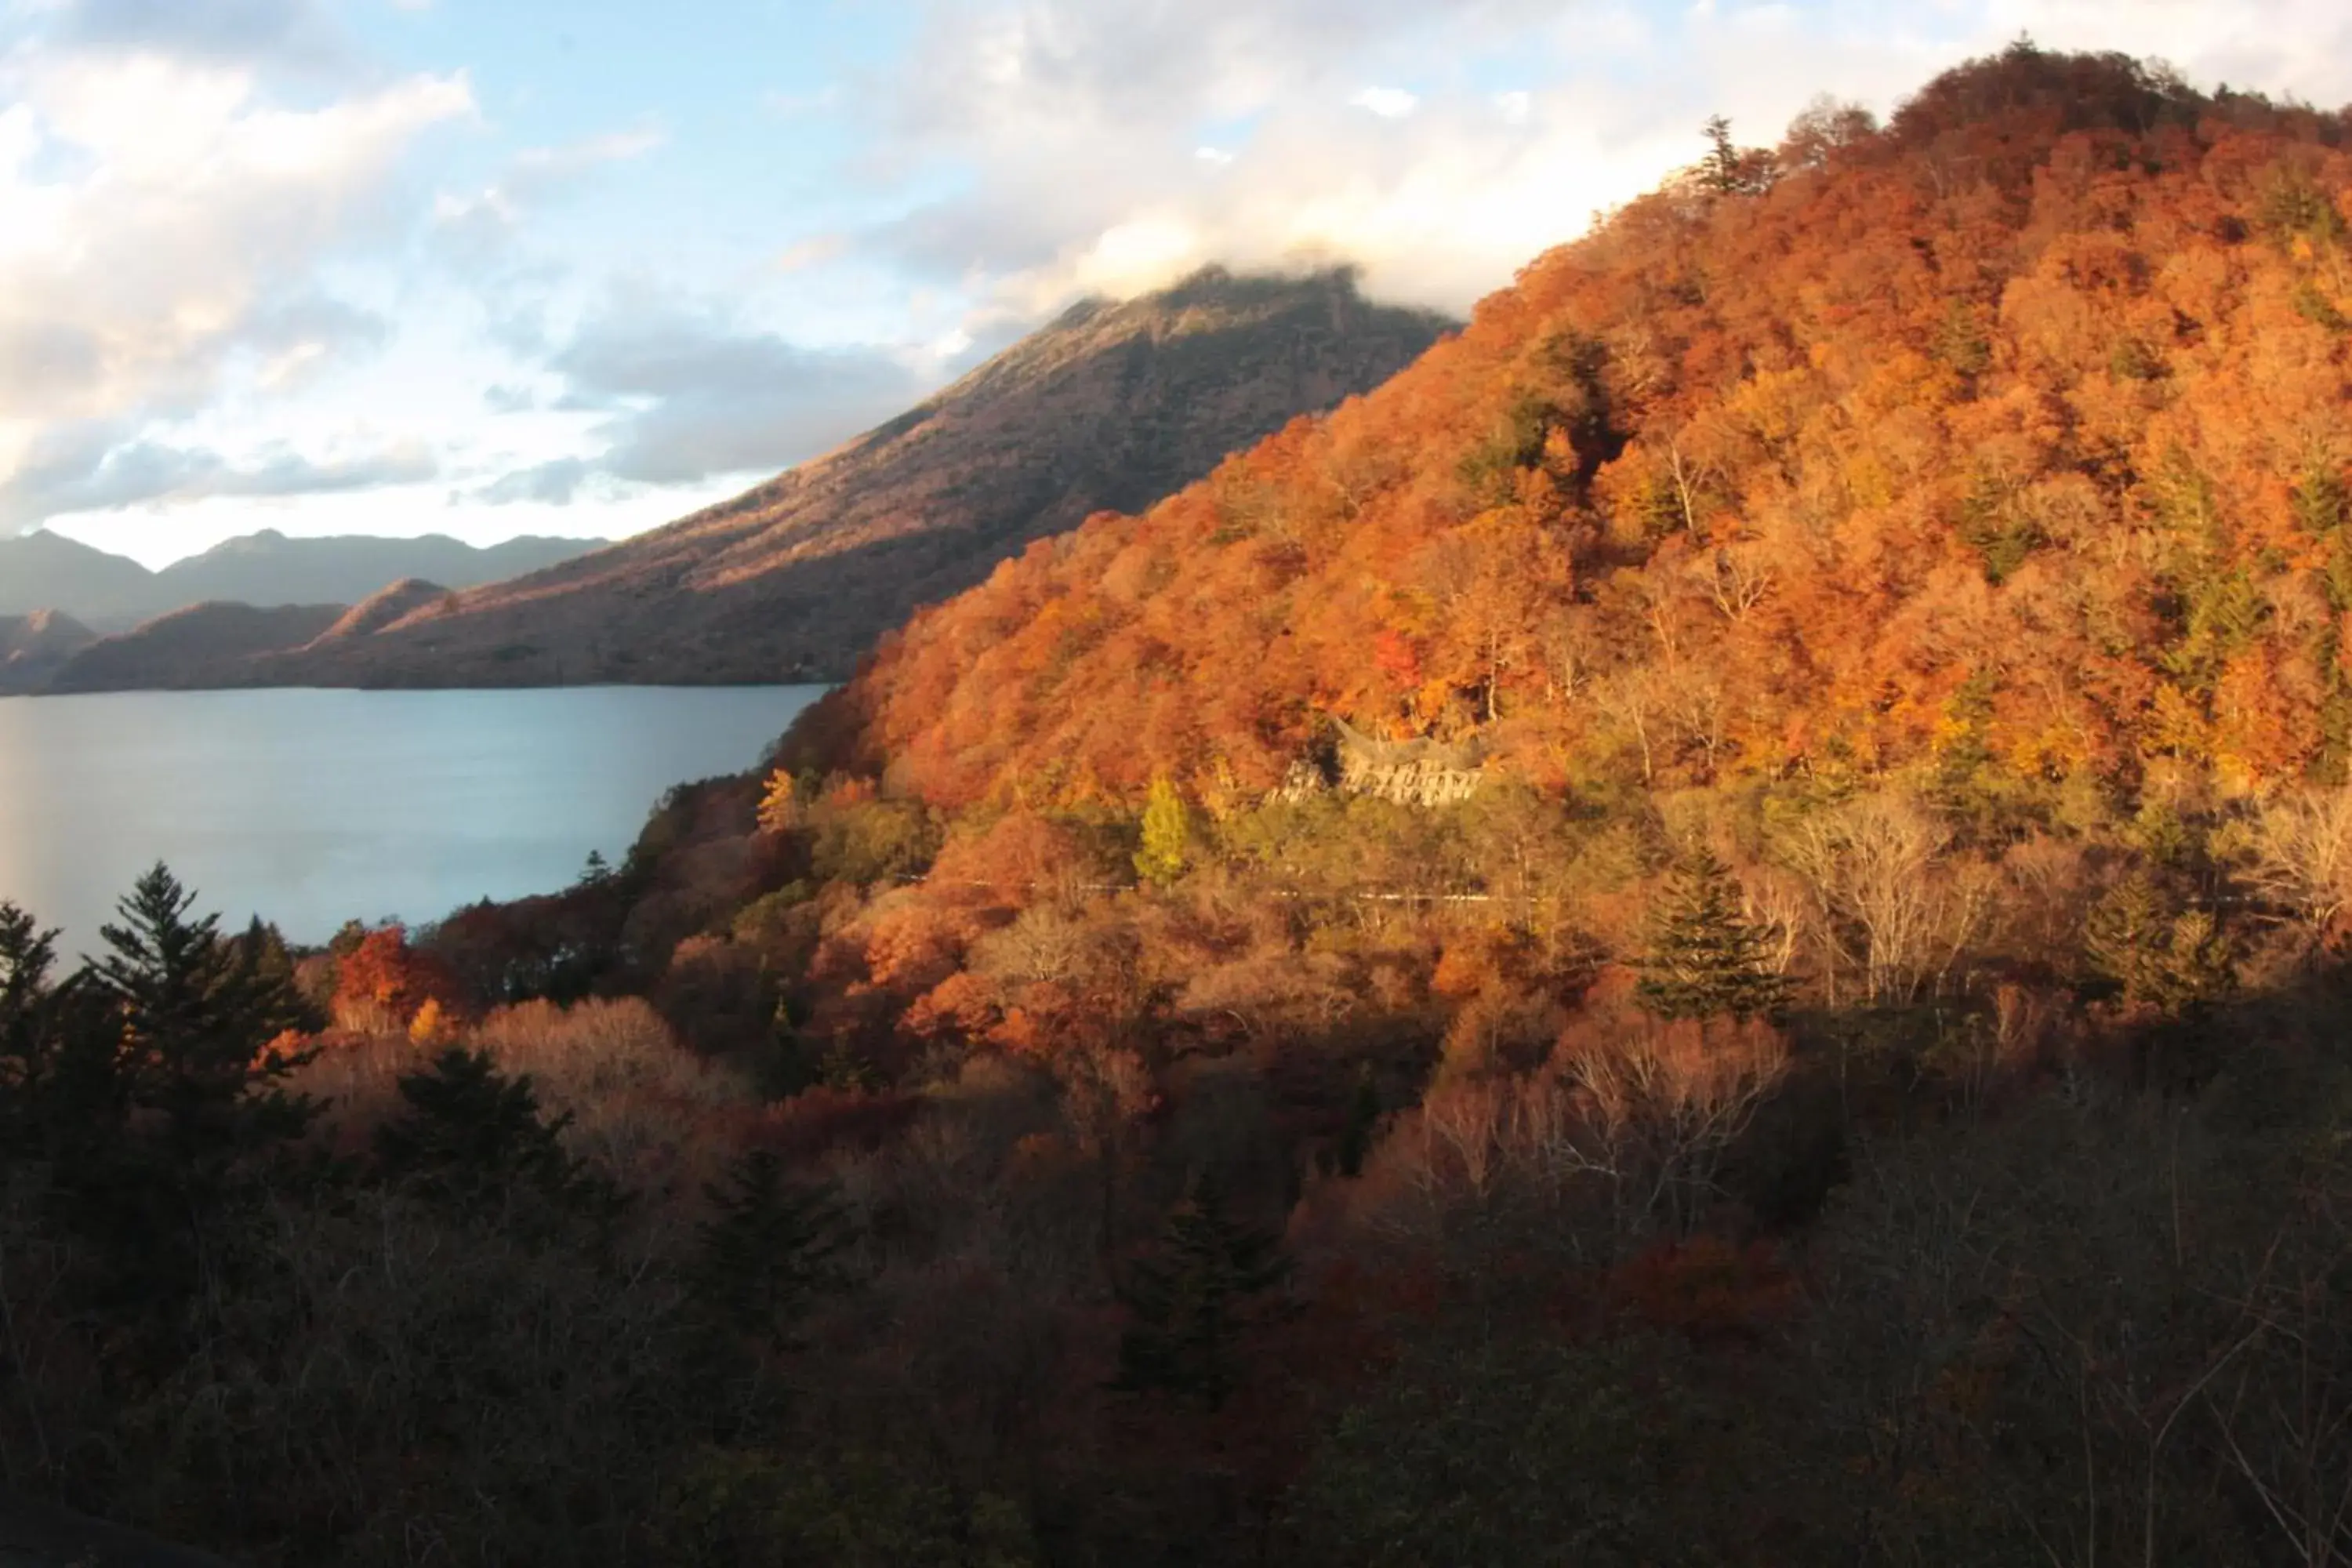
384,984
1749,484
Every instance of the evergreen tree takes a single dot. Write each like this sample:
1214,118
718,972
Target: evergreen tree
198,1014
470,1136
263,946
2155,951
769,1247
1728,169
1192,1304
28,954
152,1089
1167,835
1707,959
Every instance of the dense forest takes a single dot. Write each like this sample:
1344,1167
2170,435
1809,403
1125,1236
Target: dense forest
1710,930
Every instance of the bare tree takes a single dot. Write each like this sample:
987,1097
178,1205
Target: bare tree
1736,578
2304,859
1890,908
1652,1110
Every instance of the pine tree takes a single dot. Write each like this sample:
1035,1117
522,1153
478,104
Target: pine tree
1167,835
1193,1303
150,1088
769,1248
27,955
1707,959
2155,951
1728,169
471,1135
198,1014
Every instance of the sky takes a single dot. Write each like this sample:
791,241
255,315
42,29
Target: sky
489,267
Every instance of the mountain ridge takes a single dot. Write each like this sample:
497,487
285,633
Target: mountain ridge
1110,406
109,593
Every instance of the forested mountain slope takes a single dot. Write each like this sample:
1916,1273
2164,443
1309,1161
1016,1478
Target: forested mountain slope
1113,405
2011,438
1715,929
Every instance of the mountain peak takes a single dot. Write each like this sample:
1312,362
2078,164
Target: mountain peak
1111,406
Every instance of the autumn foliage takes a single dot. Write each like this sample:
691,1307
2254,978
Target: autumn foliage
2011,431
1848,1067
385,982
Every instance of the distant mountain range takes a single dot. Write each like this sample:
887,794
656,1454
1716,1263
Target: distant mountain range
1112,406
112,593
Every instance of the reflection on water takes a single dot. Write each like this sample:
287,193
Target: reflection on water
313,807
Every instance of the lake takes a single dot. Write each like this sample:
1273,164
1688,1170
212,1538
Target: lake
312,808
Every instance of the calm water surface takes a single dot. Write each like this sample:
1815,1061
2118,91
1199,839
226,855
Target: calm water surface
313,807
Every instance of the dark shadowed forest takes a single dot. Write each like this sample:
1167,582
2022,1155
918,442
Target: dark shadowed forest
1712,928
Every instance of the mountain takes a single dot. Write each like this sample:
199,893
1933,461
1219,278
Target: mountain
33,648
386,607
269,568
1779,804
199,646
1715,928
1111,406
2010,442
44,570
47,571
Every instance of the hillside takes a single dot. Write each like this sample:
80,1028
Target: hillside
2010,442
200,647
47,571
382,608
1112,406
33,646
1715,928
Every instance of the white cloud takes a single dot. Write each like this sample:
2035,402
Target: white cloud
150,473
687,392
1388,103
170,227
1077,119
804,255
484,221
162,225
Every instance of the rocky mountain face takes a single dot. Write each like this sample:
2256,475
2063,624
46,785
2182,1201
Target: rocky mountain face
1110,407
